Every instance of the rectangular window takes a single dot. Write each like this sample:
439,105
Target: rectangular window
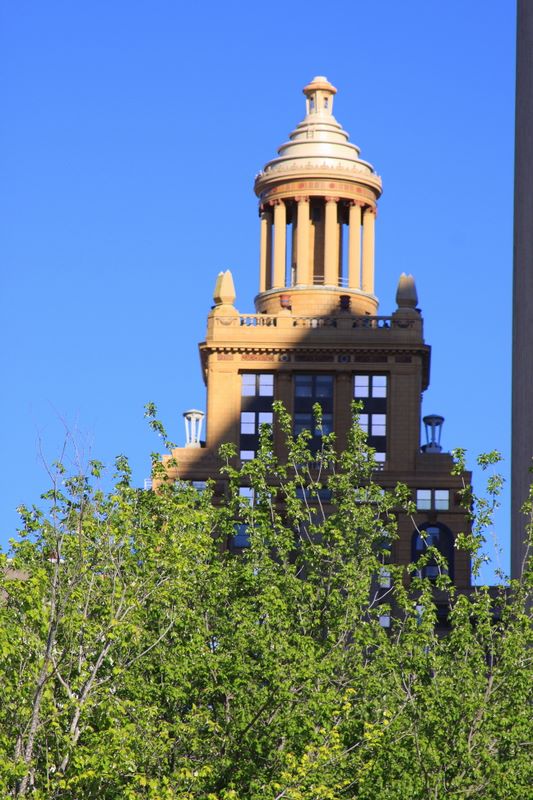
302,422
371,391
266,385
370,386
323,386
384,620
247,422
433,499
248,385
423,499
361,387
442,499
313,496
310,390
257,384
303,385
241,538
379,424
247,495
257,389
384,578
379,386
252,420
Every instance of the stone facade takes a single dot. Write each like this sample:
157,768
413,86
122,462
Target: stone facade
316,335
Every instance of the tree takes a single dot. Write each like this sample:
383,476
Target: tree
140,658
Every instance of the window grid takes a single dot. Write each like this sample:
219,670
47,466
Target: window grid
251,421
257,390
371,391
257,384
370,386
310,389
433,499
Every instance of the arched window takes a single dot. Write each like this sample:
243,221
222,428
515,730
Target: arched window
437,535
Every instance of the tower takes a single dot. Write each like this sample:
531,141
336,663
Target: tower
316,336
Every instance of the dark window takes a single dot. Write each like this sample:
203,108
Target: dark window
371,391
440,537
308,391
256,409
241,538
313,496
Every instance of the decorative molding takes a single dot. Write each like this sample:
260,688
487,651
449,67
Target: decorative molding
321,187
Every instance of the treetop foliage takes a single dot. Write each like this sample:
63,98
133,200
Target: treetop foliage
141,657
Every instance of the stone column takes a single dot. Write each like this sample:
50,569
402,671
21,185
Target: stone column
331,244
265,256
369,216
280,244
303,262
223,419
354,246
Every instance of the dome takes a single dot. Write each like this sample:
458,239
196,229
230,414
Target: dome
319,142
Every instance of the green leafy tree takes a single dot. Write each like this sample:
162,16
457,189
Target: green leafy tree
140,658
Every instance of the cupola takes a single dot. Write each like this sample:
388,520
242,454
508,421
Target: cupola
317,203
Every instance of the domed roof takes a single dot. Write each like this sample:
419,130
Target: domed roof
319,142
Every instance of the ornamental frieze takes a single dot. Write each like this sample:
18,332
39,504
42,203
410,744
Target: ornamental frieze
257,357
319,187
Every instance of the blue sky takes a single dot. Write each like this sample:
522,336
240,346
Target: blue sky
130,137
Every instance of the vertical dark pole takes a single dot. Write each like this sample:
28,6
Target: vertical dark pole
522,403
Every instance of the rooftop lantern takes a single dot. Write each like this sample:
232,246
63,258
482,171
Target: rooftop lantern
193,427
433,425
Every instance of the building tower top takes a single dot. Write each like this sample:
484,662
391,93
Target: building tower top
318,142
318,202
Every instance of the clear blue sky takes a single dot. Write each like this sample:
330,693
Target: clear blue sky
130,135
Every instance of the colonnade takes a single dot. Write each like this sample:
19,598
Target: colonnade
317,238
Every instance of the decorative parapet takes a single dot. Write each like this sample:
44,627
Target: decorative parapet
256,320
308,321
287,330
367,322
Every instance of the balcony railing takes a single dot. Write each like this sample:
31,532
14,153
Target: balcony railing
257,320
345,321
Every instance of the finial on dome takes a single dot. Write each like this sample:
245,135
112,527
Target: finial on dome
319,96
406,294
